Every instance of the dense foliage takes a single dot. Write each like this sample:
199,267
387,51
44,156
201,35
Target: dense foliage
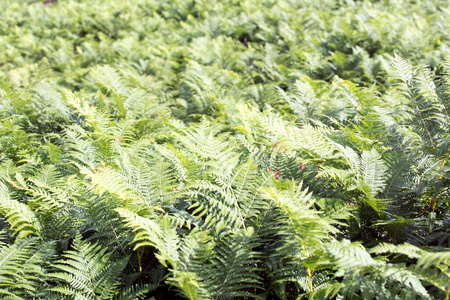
208,149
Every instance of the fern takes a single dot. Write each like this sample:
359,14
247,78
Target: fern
188,274
230,273
87,272
211,150
24,267
19,215
160,235
431,267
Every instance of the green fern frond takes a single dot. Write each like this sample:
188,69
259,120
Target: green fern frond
354,263
230,273
310,229
188,283
20,216
80,149
431,266
180,163
373,171
106,179
137,291
404,249
24,268
215,205
109,78
434,259
202,141
329,292
350,255
88,271
158,234
302,100
404,70
188,276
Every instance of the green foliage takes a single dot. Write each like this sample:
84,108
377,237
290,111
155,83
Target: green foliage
209,150
87,272
24,268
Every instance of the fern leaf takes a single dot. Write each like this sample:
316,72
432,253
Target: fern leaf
19,215
23,268
88,271
160,235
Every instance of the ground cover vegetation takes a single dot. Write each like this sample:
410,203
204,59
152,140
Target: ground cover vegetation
210,149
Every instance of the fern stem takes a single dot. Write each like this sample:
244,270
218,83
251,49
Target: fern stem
448,292
310,274
310,280
254,197
139,254
443,163
238,209
419,113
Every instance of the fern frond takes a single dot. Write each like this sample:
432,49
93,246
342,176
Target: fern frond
373,171
431,266
404,70
109,78
88,271
309,228
215,204
24,268
188,283
160,235
106,179
404,249
231,272
363,273
188,276
20,216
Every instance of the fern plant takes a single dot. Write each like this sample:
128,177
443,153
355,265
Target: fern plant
210,150
87,272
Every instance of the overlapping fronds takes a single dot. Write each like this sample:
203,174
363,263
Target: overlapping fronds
87,272
19,215
224,150
24,268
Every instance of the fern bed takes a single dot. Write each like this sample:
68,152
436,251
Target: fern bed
194,149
